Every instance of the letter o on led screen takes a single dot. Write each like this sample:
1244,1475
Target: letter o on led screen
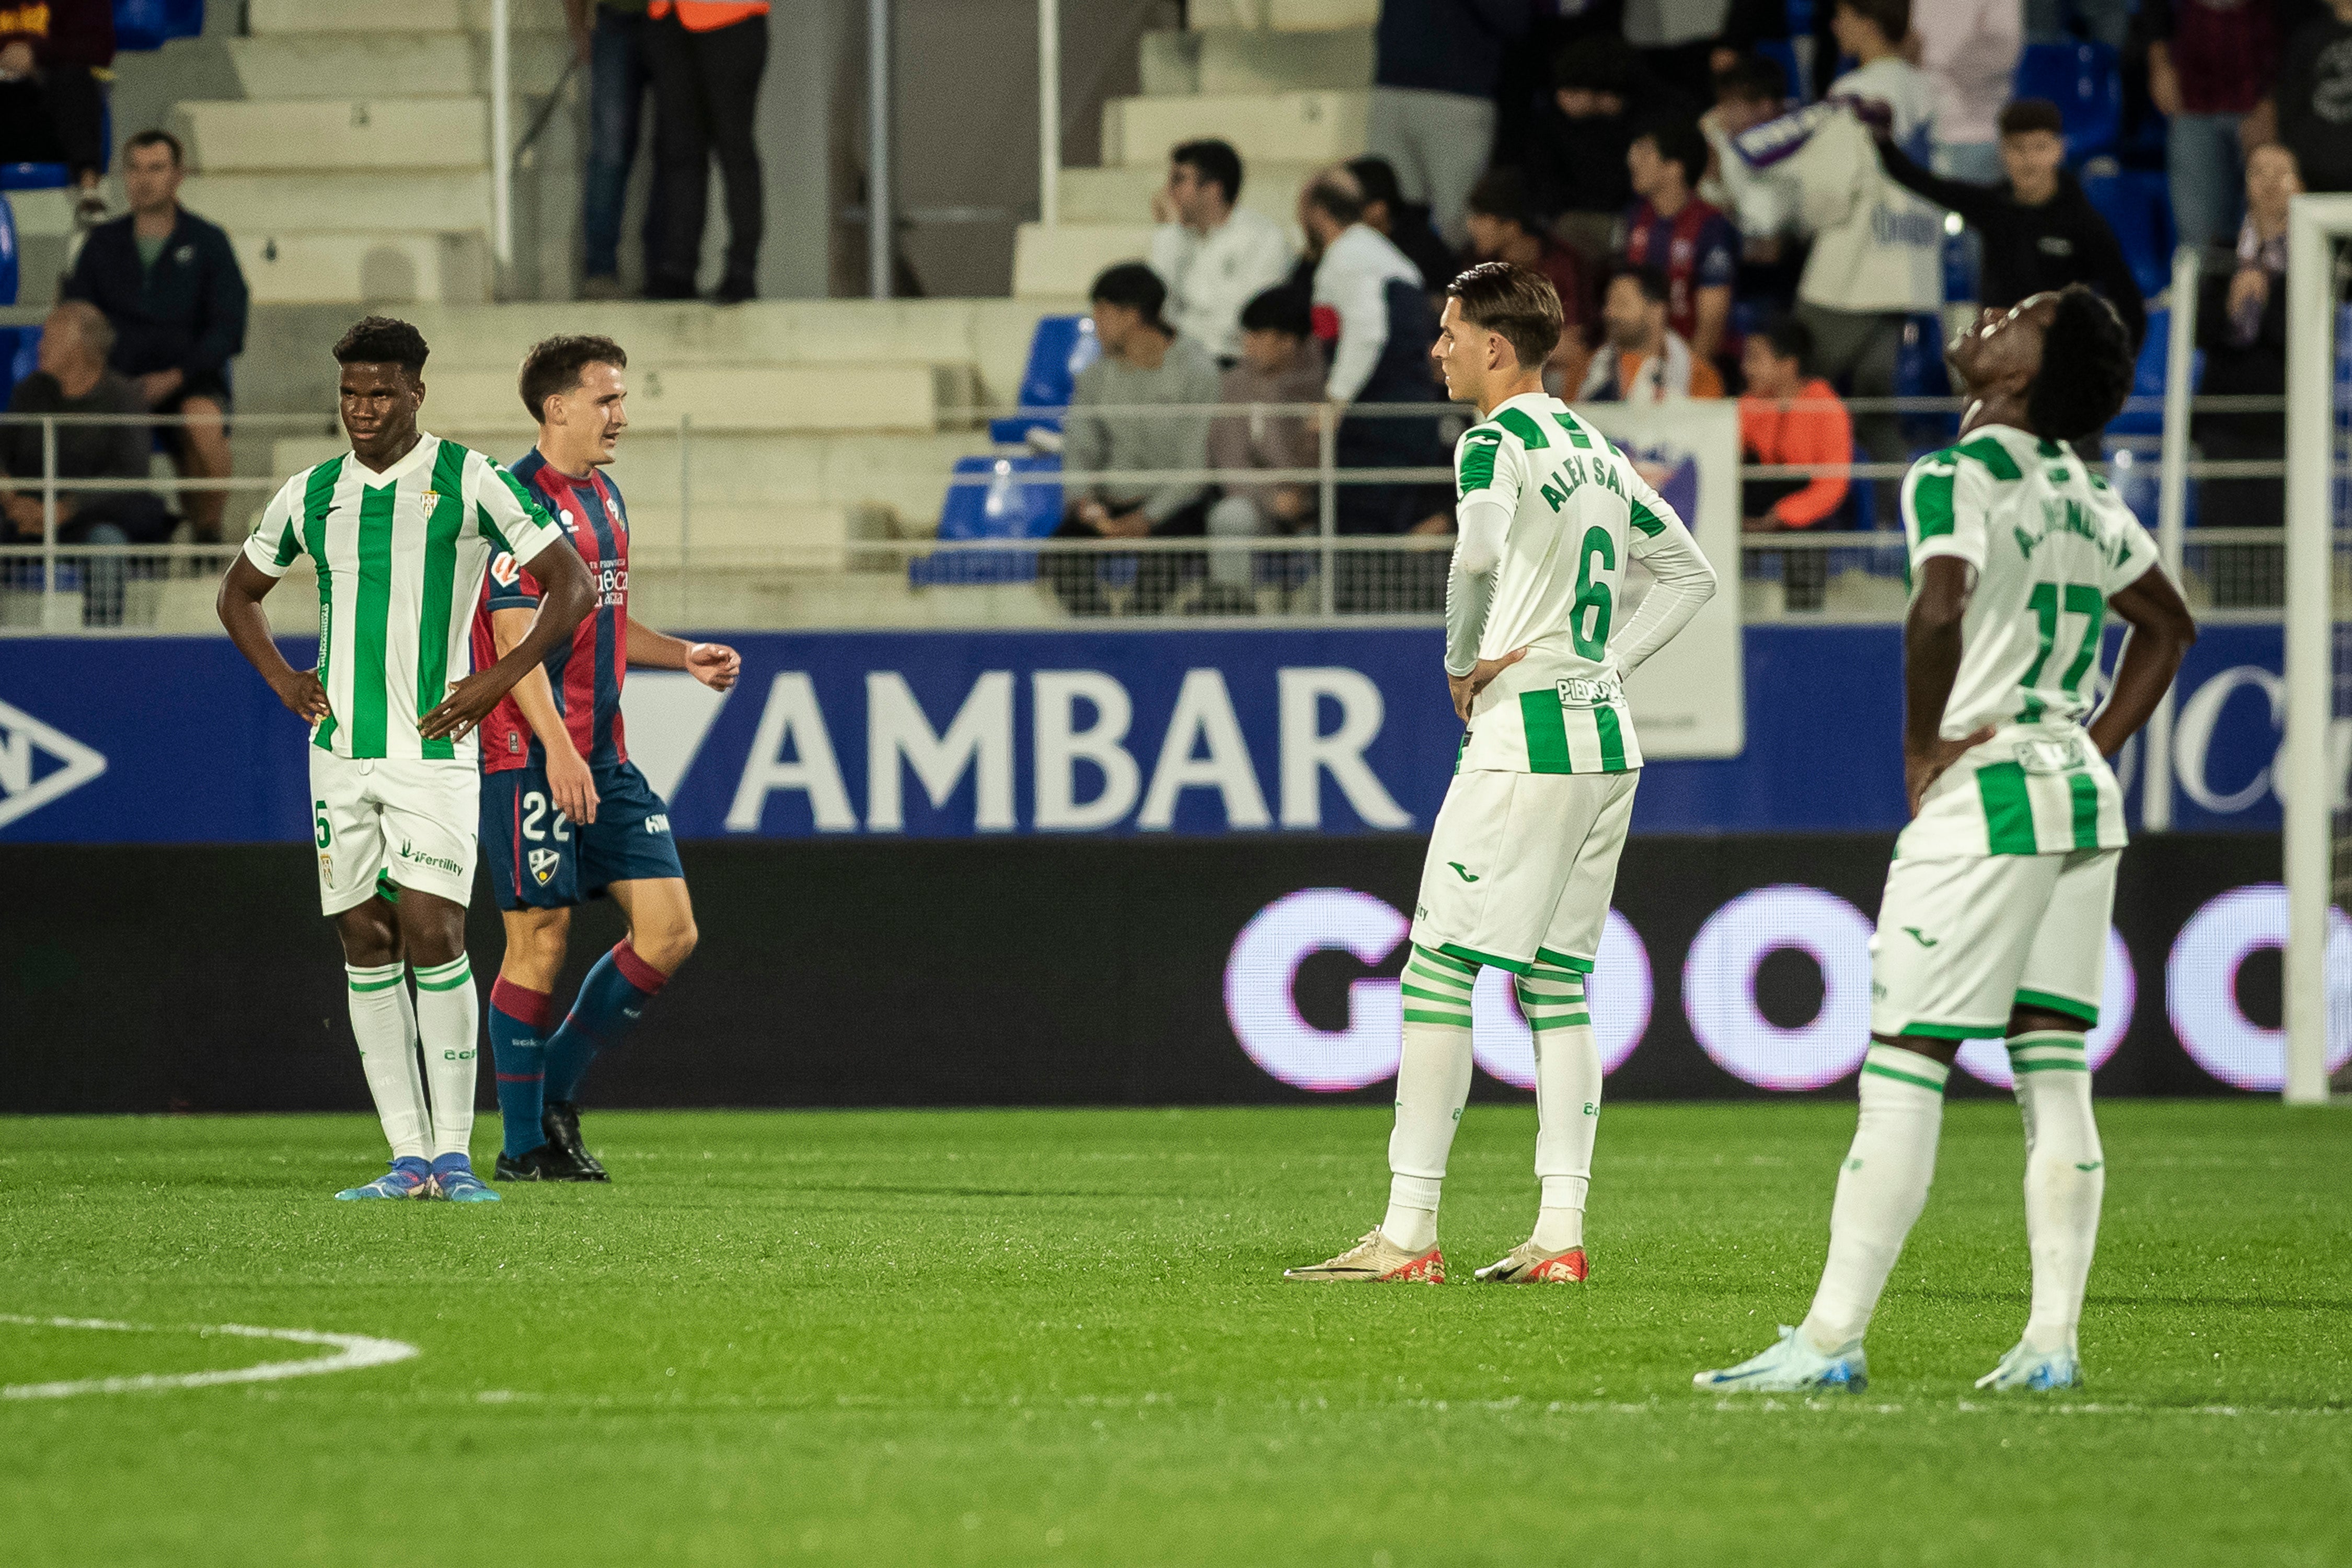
1719,987
1618,992
2200,986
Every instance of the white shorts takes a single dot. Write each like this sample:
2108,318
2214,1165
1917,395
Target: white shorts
1962,941
415,820
1522,866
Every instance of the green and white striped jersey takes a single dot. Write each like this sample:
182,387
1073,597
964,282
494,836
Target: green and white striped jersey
1579,513
2051,542
400,557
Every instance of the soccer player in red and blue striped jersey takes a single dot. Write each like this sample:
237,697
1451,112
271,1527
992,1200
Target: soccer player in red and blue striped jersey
566,816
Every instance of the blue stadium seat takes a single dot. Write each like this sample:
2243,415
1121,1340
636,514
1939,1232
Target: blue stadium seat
2138,205
56,176
151,24
1010,506
1861,500
2148,379
2086,84
20,356
1061,347
8,261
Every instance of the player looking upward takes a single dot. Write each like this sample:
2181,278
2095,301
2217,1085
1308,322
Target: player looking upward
1523,855
566,816
401,530
1994,922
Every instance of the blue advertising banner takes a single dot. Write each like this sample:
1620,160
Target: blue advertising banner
1094,733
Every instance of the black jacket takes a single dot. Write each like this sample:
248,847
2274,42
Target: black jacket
186,314
1448,45
2029,249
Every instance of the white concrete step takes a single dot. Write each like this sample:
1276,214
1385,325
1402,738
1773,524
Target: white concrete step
793,536
265,17
309,267
403,134
1066,258
1122,192
415,65
720,397
880,597
1175,64
990,334
1283,16
442,201
1318,127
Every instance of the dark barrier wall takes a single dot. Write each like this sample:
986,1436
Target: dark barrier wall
1075,971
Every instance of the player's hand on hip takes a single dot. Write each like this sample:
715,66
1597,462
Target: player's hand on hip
572,784
302,693
1921,769
714,664
1466,688
468,703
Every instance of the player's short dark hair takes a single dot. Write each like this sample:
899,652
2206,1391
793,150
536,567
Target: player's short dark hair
1893,16
1516,304
1378,179
553,366
2086,369
158,139
382,340
1336,193
1749,78
1212,160
1651,281
1281,309
1678,140
1602,63
1133,285
1501,195
2021,115
1789,338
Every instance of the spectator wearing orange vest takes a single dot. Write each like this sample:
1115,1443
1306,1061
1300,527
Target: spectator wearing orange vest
707,58
1790,416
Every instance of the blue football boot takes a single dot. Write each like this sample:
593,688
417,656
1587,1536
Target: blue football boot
410,1178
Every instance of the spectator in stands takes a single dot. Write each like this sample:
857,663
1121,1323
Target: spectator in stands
1968,49
2242,327
1789,416
52,110
1143,362
1577,178
1279,364
1215,257
2039,231
1748,90
706,58
1643,360
2314,91
1668,228
612,45
169,285
2211,63
74,379
1436,66
1877,252
1370,308
1405,223
1502,230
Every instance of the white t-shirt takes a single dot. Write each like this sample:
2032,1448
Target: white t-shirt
1579,516
2051,542
1211,277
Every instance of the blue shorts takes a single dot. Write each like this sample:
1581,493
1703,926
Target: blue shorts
541,859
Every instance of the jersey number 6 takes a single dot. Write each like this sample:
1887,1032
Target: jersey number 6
1592,597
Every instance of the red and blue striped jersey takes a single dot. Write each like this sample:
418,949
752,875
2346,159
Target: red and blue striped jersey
586,672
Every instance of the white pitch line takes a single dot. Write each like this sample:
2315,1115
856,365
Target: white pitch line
352,1352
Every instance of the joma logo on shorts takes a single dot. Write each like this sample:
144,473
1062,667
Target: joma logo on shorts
410,854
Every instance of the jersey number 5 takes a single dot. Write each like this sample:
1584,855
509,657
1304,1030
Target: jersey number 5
1588,622
2079,600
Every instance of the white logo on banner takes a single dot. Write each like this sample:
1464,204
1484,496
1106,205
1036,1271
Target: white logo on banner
23,738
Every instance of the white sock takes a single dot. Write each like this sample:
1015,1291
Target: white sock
449,1020
379,1003
1432,1085
2065,1176
1881,1189
1568,1100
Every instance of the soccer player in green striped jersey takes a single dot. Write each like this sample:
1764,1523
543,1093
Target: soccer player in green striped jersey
400,530
1994,922
1523,857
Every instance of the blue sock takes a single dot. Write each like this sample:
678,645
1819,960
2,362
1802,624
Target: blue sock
610,1000
518,1034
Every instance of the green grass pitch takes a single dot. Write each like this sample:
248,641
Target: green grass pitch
1026,1337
